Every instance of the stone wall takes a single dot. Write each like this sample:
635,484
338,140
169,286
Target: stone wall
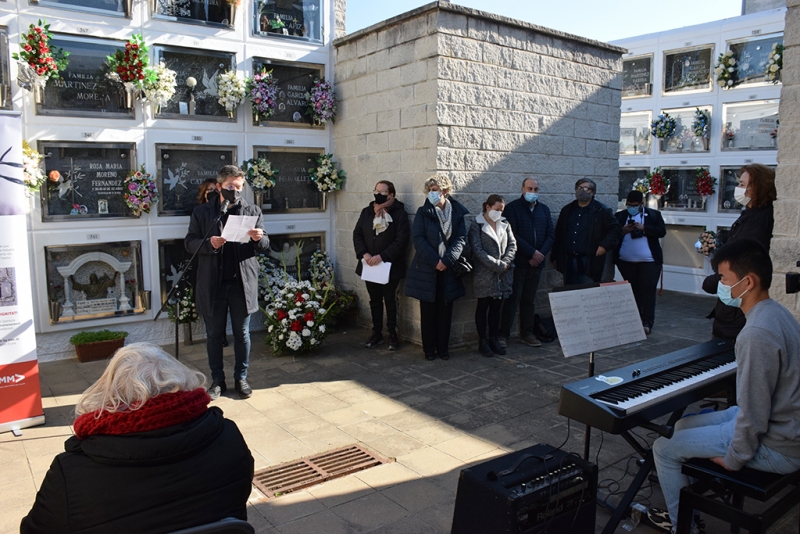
484,99
785,246
340,17
754,6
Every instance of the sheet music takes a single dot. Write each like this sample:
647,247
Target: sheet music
596,318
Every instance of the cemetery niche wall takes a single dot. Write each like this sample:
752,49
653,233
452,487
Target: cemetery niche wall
118,8
180,169
294,190
94,281
752,57
290,19
294,80
83,90
205,12
688,69
171,257
750,125
85,180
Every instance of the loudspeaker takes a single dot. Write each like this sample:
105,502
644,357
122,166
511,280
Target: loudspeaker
537,490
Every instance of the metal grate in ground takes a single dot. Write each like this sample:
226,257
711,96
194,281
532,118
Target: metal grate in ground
299,474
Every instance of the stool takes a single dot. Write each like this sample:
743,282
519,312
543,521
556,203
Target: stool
728,490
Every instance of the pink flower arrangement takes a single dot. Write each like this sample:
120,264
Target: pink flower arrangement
140,191
321,101
262,89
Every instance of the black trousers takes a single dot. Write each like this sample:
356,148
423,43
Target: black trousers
643,277
436,317
487,313
523,296
380,295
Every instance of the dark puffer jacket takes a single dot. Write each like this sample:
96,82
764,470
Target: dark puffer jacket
159,481
391,244
421,276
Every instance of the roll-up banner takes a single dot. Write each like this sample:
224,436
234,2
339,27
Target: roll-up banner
20,392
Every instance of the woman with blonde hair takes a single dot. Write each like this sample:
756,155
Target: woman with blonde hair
148,454
439,234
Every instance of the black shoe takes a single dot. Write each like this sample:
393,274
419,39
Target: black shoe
217,389
430,357
393,341
444,355
483,348
495,347
243,388
374,340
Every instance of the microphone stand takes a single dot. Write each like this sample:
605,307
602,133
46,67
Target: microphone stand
171,300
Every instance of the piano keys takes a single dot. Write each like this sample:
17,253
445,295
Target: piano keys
627,397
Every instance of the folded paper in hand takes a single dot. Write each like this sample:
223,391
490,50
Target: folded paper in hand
378,274
237,227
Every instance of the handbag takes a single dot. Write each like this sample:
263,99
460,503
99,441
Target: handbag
462,266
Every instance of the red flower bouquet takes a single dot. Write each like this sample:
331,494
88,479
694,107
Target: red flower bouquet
705,183
658,184
38,60
130,64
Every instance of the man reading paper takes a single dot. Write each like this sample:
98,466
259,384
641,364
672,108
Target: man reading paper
227,277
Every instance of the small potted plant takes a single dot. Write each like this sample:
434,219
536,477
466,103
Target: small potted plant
92,346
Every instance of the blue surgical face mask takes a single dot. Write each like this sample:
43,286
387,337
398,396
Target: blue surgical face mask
632,211
434,197
531,197
724,294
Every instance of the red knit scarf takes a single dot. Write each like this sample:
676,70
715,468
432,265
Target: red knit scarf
164,410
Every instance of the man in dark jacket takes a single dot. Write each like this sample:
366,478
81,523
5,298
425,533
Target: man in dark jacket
639,256
586,230
227,277
381,235
532,225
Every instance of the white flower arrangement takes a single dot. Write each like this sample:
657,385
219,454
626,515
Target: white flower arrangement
231,89
775,64
159,86
725,70
325,175
188,312
320,269
641,185
296,312
258,172
32,174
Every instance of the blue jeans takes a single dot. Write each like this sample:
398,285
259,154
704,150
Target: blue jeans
706,435
230,296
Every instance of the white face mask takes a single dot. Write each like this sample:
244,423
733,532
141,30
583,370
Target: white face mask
495,215
740,196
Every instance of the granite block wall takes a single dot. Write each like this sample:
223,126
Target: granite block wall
483,99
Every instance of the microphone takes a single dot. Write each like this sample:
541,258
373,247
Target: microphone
224,207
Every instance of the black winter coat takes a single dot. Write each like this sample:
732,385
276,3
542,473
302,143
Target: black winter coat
209,260
753,223
533,230
421,276
159,481
654,229
391,244
606,233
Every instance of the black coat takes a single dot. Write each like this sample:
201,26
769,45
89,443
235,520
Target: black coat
209,260
159,481
753,223
654,229
421,276
533,230
391,244
606,233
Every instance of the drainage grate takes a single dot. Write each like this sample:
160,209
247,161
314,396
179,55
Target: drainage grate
299,474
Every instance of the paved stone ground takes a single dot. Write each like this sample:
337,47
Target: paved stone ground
434,418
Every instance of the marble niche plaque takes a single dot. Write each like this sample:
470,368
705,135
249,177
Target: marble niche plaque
750,125
94,281
682,194
634,133
83,89
120,8
688,69
294,80
171,256
637,76
290,19
5,73
285,247
209,12
182,168
200,102
294,189
752,57
91,182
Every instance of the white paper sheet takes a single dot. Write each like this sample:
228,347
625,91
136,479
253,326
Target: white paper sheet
237,227
378,274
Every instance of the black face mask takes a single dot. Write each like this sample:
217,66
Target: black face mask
231,195
380,199
211,194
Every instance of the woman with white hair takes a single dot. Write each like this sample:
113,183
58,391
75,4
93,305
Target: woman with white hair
148,454
439,234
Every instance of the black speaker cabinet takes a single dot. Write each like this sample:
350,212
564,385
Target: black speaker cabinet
537,490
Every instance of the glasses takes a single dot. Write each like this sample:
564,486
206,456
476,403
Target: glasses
583,188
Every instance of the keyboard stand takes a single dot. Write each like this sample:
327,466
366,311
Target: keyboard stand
644,469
